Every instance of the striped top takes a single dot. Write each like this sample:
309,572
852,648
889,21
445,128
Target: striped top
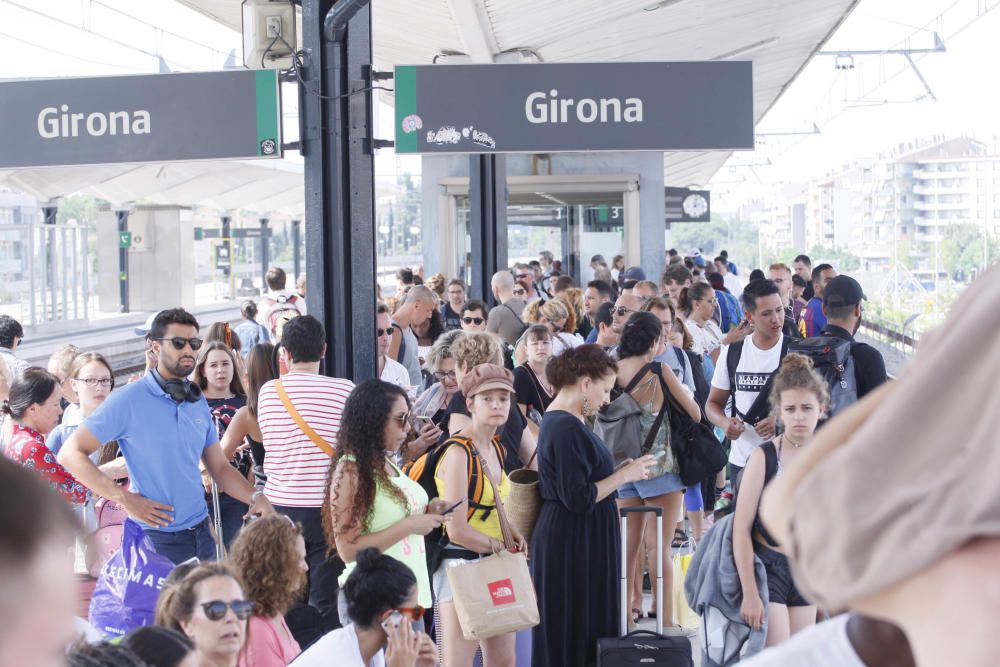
296,468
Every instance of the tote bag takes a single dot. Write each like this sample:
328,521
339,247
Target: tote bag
494,595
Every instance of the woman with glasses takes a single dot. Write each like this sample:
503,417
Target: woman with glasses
381,597
216,373
370,502
34,406
209,607
560,322
531,386
434,401
269,556
92,379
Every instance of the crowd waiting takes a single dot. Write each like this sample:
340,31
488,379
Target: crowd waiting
312,521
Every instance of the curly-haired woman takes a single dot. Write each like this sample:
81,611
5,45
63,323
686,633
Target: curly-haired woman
269,556
370,502
561,322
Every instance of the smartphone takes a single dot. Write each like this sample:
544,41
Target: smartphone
744,323
425,419
453,507
395,618
660,455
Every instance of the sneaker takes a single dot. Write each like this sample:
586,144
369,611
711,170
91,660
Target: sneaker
724,501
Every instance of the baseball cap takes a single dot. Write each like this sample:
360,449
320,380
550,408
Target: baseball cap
694,252
843,291
485,377
699,261
145,328
634,273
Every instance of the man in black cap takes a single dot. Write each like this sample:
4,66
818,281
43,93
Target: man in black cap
842,299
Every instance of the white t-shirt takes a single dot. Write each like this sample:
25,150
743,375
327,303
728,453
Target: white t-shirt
752,372
296,468
563,341
706,338
822,645
733,284
339,648
395,373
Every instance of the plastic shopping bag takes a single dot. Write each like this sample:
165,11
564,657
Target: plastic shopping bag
129,584
682,610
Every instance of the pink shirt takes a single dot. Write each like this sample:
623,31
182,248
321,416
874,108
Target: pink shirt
269,644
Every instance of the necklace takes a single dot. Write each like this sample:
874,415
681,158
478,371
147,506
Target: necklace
796,445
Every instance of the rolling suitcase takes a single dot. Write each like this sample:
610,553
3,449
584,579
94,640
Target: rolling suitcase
643,647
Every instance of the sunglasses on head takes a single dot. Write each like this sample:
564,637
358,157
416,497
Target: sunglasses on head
473,320
216,609
178,342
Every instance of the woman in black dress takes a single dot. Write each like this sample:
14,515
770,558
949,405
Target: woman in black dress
576,545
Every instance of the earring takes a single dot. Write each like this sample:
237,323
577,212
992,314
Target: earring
586,406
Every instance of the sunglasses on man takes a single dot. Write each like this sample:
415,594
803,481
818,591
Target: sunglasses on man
473,320
179,342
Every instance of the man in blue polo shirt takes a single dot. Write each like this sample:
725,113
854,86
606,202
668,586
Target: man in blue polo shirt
164,429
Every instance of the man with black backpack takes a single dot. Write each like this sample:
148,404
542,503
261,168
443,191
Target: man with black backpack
851,369
738,402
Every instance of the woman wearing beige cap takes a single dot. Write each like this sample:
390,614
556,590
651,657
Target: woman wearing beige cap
487,389
895,510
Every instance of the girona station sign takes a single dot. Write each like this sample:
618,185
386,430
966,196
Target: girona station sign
540,108
143,118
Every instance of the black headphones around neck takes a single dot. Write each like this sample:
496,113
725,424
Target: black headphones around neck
179,390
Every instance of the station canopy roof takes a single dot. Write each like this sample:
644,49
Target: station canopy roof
779,37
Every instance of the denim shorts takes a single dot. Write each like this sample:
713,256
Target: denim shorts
651,488
439,580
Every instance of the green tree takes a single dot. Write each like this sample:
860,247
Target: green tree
738,237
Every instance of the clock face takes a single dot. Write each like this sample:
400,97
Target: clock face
695,205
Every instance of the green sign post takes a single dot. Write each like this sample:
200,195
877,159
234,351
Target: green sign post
125,240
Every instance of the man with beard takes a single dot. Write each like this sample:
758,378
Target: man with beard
164,428
842,299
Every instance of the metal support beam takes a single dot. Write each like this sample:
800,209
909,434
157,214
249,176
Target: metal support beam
488,225
227,238
265,260
339,181
297,248
122,219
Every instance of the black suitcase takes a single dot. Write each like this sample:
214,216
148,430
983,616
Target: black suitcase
643,648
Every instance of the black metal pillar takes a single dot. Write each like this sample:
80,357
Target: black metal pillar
339,181
297,248
488,226
122,218
265,244
49,214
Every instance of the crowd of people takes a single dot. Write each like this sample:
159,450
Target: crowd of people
340,509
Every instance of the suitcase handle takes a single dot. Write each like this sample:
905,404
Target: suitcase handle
658,512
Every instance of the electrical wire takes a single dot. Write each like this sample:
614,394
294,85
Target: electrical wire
296,68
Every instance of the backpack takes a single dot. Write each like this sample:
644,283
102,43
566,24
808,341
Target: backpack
833,360
759,408
281,310
618,423
422,471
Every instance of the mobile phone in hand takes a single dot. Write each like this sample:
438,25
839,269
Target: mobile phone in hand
393,621
453,507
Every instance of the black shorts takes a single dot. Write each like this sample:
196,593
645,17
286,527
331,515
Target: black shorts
780,585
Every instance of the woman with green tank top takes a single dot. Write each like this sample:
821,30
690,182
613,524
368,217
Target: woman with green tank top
370,501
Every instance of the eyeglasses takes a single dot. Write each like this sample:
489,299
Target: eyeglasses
402,419
383,332
415,613
621,310
216,609
520,292
441,375
711,302
96,382
179,342
473,320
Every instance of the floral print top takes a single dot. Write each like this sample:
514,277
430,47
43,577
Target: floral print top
27,447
